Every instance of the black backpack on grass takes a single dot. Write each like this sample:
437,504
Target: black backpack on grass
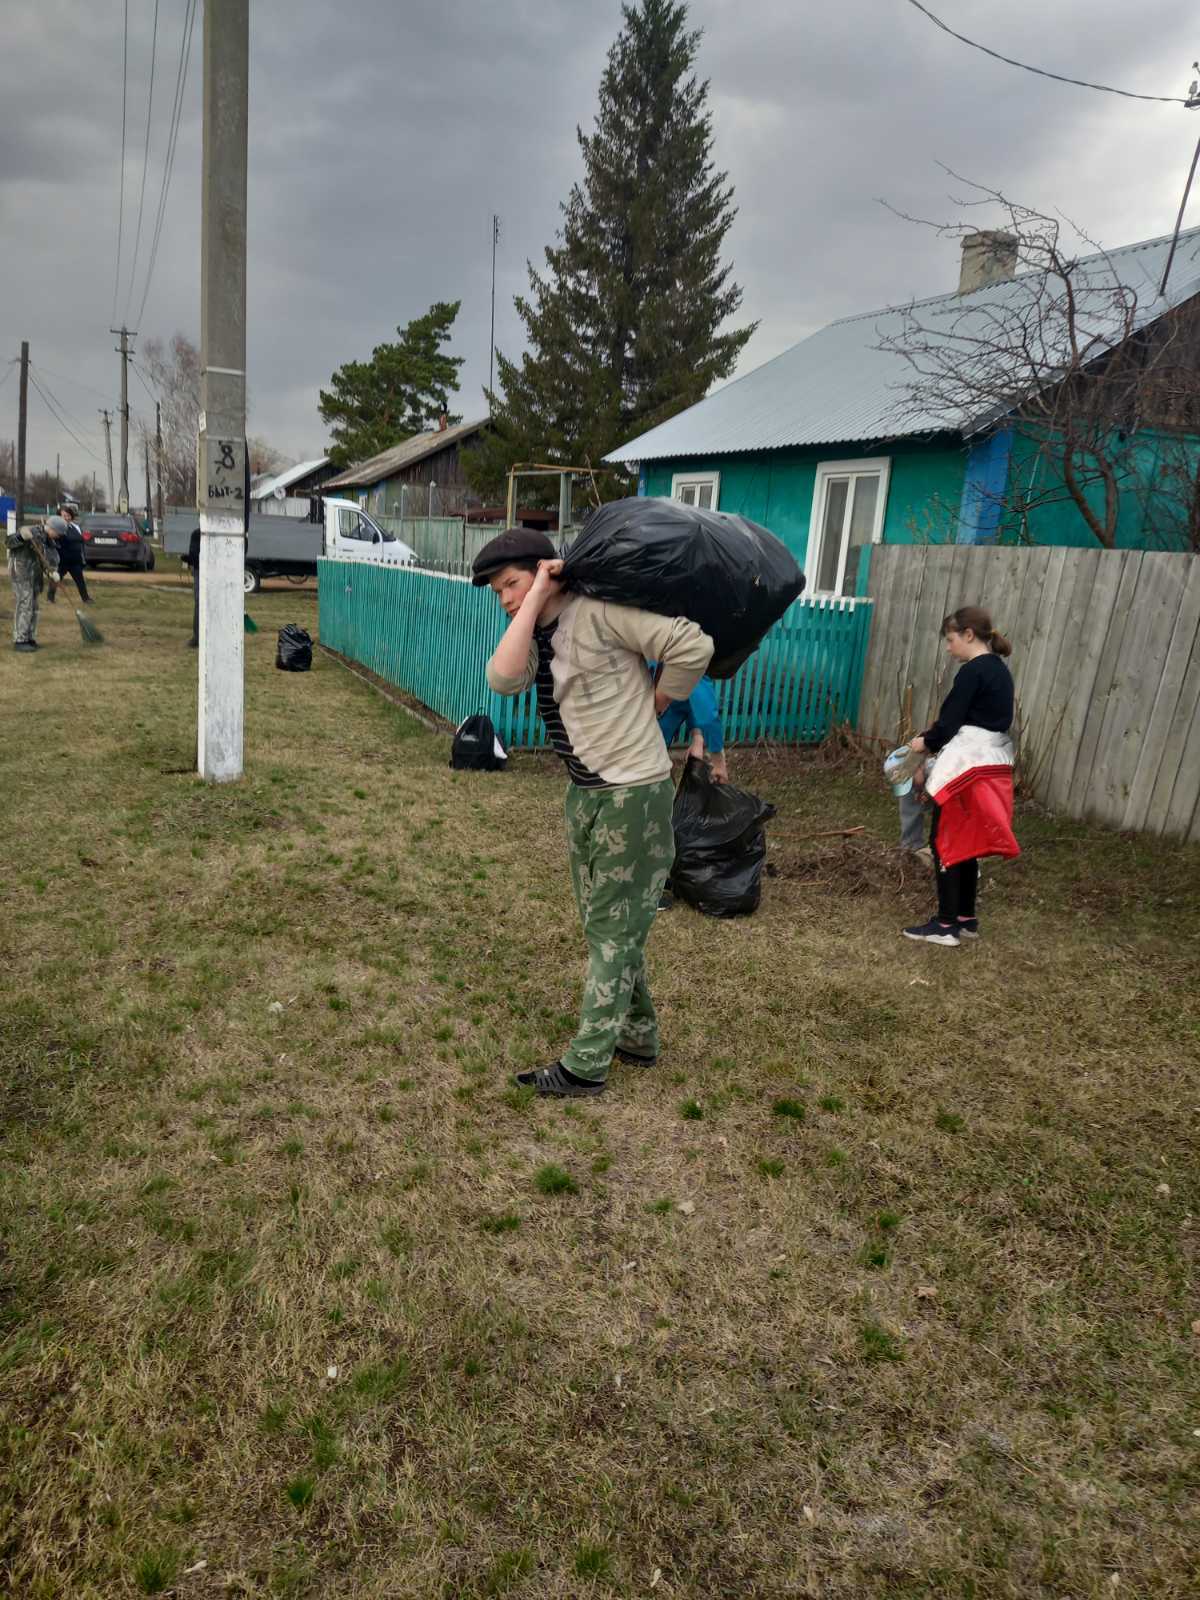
477,747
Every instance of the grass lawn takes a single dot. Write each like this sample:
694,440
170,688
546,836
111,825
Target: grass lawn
883,1283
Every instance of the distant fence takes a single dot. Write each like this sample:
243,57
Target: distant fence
1106,660
450,544
431,634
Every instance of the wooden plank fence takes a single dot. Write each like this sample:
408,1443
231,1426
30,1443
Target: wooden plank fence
1106,659
431,634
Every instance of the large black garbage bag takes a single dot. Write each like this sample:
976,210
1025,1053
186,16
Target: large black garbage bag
731,576
293,653
720,844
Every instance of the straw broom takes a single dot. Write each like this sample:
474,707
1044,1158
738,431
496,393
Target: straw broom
91,633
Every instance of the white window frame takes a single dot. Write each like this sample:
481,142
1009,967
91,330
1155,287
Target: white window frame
681,480
866,467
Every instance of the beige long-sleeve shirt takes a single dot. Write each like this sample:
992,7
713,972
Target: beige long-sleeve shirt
594,689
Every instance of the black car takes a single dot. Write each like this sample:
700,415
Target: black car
114,536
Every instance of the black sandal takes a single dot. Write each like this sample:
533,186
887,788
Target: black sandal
558,1082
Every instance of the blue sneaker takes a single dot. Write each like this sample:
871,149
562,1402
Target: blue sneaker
968,927
933,932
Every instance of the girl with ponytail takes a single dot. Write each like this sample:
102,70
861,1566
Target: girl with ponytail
970,777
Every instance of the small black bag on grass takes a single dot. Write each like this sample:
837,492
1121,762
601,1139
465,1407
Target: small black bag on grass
720,844
294,650
477,746
731,576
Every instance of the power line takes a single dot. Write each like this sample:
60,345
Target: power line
60,377
121,201
1080,83
87,449
142,380
185,52
137,245
69,415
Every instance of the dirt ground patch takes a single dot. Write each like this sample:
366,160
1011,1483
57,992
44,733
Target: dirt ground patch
883,1282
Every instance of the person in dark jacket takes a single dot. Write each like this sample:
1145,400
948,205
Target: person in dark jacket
192,559
70,550
969,779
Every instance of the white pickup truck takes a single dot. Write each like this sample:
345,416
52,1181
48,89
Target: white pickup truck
290,547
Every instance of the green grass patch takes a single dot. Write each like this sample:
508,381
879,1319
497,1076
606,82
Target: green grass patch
795,1109
877,1344
501,1222
553,1179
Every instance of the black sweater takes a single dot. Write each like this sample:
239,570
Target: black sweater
982,696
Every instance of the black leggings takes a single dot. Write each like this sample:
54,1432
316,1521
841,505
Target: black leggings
957,886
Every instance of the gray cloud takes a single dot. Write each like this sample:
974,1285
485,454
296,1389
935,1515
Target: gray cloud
384,135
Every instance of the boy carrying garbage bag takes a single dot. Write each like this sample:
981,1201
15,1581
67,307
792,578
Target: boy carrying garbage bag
587,661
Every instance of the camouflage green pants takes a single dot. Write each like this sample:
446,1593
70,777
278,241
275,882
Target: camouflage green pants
26,587
621,848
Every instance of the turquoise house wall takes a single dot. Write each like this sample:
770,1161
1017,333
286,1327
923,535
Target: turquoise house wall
925,491
775,487
1155,468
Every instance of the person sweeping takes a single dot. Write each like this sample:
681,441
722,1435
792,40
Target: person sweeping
969,779
32,565
587,661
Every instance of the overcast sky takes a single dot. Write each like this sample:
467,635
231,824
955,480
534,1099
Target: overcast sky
385,133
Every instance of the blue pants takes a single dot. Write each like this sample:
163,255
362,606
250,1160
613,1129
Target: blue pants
698,711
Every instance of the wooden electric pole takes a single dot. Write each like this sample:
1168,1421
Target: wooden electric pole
123,352
492,335
112,498
221,492
158,464
22,423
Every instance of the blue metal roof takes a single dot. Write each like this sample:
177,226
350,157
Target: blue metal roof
837,386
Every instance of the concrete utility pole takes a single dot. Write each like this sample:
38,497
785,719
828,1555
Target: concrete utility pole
112,498
158,463
22,422
221,457
123,351
149,501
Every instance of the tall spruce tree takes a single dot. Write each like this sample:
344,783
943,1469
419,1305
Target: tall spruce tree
404,388
625,324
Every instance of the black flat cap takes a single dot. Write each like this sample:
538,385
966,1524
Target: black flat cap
514,544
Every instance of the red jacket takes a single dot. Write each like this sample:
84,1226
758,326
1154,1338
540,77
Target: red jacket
975,818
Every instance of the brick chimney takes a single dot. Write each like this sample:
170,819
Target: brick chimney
987,257
443,423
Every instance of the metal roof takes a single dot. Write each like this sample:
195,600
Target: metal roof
837,386
385,465
263,488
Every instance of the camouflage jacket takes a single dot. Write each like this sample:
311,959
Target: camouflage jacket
35,554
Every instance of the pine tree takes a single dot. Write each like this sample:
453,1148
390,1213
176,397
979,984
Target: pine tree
625,325
403,389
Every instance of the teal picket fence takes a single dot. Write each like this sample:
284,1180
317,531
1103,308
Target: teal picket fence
430,634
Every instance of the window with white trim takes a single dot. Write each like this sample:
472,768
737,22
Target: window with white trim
699,489
849,500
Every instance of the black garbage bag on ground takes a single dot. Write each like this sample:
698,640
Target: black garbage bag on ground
720,844
293,653
731,576
477,746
